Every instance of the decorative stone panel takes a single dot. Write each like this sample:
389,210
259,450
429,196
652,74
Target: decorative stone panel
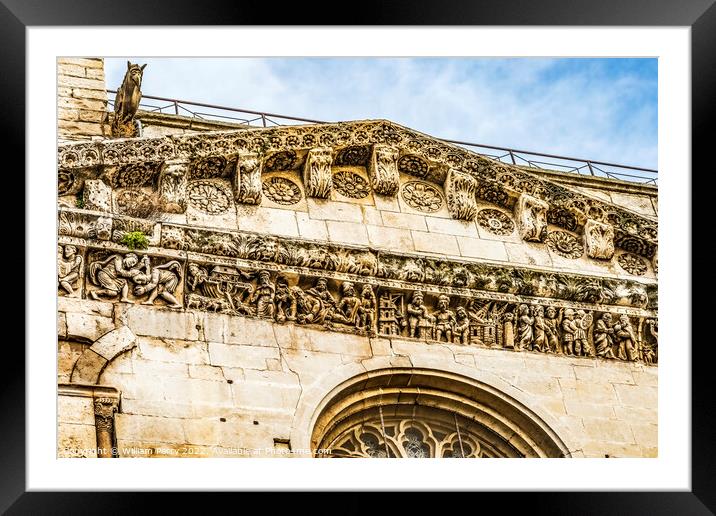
460,191
383,170
317,177
599,240
247,182
531,218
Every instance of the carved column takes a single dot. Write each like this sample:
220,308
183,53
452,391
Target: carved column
172,185
247,181
317,177
508,335
599,240
97,195
104,410
531,214
460,191
383,170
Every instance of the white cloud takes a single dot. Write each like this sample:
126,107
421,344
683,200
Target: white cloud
585,111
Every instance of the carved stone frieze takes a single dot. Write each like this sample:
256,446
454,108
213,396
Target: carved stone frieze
599,240
127,278
499,183
532,218
383,170
172,185
317,176
460,189
247,182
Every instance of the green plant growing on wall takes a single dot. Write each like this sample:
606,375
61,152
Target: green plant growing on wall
79,201
135,240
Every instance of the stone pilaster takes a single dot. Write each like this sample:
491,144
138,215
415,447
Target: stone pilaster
383,170
460,191
531,214
104,410
247,181
317,177
172,185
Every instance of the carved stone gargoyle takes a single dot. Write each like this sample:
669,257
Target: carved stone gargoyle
126,102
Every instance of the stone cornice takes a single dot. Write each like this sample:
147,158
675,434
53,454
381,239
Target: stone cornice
121,161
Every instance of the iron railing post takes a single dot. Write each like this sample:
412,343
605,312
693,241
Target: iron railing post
512,156
176,107
591,170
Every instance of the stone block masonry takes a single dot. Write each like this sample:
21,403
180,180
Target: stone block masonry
81,98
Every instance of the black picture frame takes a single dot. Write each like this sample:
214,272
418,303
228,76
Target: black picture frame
700,15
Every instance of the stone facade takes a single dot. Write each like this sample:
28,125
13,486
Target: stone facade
324,287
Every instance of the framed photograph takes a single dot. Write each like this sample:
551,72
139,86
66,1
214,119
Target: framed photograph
272,249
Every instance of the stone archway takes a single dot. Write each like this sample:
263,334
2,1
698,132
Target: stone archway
411,412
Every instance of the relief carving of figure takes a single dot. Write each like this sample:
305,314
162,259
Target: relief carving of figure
582,323
420,322
161,280
604,336
540,330
348,307
317,304
462,326
626,342
286,303
649,351
525,332
263,296
69,264
444,319
569,328
367,309
551,325
111,274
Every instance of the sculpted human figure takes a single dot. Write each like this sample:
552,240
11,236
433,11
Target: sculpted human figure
161,280
286,303
367,309
69,264
462,326
444,319
551,323
649,352
626,340
581,324
568,331
420,321
540,335
111,275
347,310
604,336
327,302
525,333
263,296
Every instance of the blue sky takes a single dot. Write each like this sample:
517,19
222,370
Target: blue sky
601,109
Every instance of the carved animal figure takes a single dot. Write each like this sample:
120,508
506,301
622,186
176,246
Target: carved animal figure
129,94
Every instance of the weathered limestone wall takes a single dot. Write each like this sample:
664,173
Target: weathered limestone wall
199,383
81,97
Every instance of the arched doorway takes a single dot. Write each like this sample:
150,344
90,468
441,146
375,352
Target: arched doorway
428,413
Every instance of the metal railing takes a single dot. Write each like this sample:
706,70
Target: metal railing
552,162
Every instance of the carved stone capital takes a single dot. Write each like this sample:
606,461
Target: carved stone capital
247,182
317,177
383,170
599,240
460,191
105,407
172,184
97,195
531,215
